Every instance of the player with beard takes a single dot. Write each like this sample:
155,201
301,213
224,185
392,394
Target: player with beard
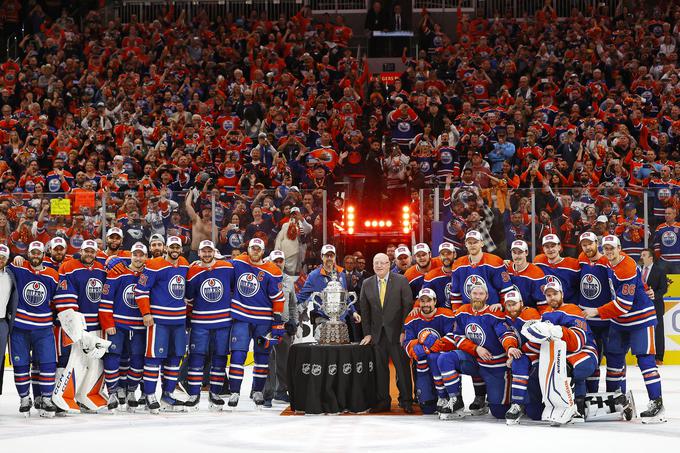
526,277
483,341
159,293
57,254
594,292
32,335
209,283
122,323
424,340
156,245
114,242
439,278
256,308
424,264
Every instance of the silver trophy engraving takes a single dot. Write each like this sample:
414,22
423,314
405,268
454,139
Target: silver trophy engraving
334,301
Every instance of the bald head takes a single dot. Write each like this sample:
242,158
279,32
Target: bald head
381,265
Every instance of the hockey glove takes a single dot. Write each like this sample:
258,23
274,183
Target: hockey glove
427,338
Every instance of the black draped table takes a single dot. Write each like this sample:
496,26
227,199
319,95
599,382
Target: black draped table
330,379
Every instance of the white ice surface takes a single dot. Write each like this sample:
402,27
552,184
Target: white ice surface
247,429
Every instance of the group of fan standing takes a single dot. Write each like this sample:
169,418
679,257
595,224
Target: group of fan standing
470,317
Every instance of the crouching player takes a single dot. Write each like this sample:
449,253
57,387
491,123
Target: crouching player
633,319
526,390
124,328
209,283
424,340
159,293
484,341
565,321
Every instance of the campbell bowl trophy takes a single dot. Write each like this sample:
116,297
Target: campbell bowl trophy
334,302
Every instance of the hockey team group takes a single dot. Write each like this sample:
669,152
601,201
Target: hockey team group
530,335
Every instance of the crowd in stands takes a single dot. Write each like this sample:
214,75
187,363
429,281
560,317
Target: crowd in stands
166,124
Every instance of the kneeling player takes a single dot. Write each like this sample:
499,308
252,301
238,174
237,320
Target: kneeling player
424,340
123,326
526,391
209,283
484,341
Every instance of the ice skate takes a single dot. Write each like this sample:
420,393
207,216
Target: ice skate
441,402
192,403
655,412
514,414
47,409
25,406
453,409
479,406
170,404
216,402
258,399
233,400
112,404
152,404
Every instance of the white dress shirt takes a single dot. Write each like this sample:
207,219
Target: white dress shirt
5,291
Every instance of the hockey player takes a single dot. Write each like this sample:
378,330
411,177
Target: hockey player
439,278
156,245
633,319
114,242
57,253
209,283
122,323
526,391
594,292
581,349
478,268
667,241
402,260
554,266
81,282
256,308
526,277
424,264
32,337
159,294
424,340
484,341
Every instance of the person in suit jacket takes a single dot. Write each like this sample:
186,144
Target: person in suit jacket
385,301
654,275
8,305
376,18
397,20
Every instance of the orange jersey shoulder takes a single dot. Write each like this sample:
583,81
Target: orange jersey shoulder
626,269
492,260
529,313
571,309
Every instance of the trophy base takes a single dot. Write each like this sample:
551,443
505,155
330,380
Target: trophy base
333,332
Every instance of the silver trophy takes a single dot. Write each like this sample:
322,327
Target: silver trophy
334,301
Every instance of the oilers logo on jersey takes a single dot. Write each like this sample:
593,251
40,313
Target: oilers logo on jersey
35,293
475,333
212,290
427,331
471,282
176,287
446,157
94,290
129,296
669,238
590,286
248,285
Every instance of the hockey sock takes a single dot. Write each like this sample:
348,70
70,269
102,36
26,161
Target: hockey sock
479,385
111,371
123,370
35,378
170,373
650,373
151,368
195,373
48,371
22,379
135,372
436,374
520,379
448,365
593,382
238,358
218,372
616,372
260,371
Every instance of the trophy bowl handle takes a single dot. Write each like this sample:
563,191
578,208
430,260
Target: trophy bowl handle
352,297
313,297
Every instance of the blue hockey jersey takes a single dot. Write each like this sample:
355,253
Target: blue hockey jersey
209,294
80,289
594,289
161,289
567,271
490,271
35,289
118,307
258,291
529,282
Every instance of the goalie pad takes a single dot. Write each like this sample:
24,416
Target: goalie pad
558,396
82,381
605,407
73,325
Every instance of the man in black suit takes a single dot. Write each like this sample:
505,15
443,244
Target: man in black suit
385,301
376,18
397,20
654,275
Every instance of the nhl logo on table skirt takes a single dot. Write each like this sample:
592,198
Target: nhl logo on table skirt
332,369
475,333
316,369
346,368
305,368
212,290
360,367
248,285
94,290
590,286
370,366
176,287
129,296
35,293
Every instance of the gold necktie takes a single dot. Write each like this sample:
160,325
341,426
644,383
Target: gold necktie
383,287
